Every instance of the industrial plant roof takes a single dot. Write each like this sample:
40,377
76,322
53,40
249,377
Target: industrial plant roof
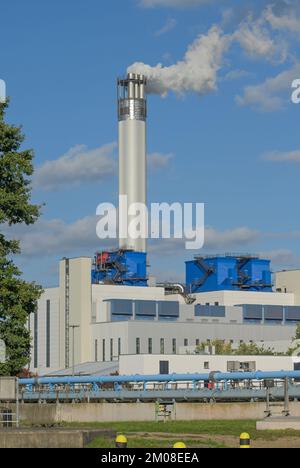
88,368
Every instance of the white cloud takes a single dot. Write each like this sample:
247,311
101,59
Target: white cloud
237,75
279,156
59,238
281,257
231,238
159,160
287,21
56,237
197,72
173,3
256,40
79,165
272,94
215,240
170,24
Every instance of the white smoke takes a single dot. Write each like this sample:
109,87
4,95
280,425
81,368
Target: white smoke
197,72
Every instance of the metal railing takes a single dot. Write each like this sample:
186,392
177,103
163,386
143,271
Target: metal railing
216,386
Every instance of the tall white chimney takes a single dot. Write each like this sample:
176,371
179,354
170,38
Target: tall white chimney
132,110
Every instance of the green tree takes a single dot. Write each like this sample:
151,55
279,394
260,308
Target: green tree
253,349
225,349
297,337
17,297
221,347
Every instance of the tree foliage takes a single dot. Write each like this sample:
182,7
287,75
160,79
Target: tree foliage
17,297
223,348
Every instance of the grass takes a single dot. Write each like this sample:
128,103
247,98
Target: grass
206,428
135,442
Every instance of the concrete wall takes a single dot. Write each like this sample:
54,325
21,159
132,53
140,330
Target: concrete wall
80,310
52,295
50,438
182,364
197,331
118,412
232,298
289,281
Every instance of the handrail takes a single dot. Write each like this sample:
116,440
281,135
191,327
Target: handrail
213,376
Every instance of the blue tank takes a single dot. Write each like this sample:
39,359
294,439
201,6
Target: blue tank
121,267
228,273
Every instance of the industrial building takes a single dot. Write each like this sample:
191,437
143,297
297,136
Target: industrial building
180,364
105,307
131,320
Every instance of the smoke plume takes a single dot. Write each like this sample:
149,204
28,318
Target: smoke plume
197,72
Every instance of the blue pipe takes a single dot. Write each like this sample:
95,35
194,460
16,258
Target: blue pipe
113,379
257,375
218,376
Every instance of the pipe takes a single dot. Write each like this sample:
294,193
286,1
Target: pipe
218,376
180,289
172,287
112,379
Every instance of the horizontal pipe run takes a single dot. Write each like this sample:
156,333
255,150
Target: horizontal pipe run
217,376
169,395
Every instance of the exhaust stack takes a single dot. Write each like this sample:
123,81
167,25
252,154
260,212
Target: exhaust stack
132,114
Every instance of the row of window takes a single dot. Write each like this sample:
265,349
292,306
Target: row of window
114,353
48,337
111,350
161,345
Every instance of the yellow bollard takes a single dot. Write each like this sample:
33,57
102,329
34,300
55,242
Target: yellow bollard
121,442
245,441
179,445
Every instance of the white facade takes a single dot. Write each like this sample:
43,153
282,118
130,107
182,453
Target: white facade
289,282
203,364
233,298
102,336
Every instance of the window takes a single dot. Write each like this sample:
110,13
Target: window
164,367
162,346
111,349
174,346
96,350
197,342
35,340
48,337
138,346
94,312
186,342
217,304
150,346
206,365
103,351
119,347
207,304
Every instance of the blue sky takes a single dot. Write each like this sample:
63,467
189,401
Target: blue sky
226,134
